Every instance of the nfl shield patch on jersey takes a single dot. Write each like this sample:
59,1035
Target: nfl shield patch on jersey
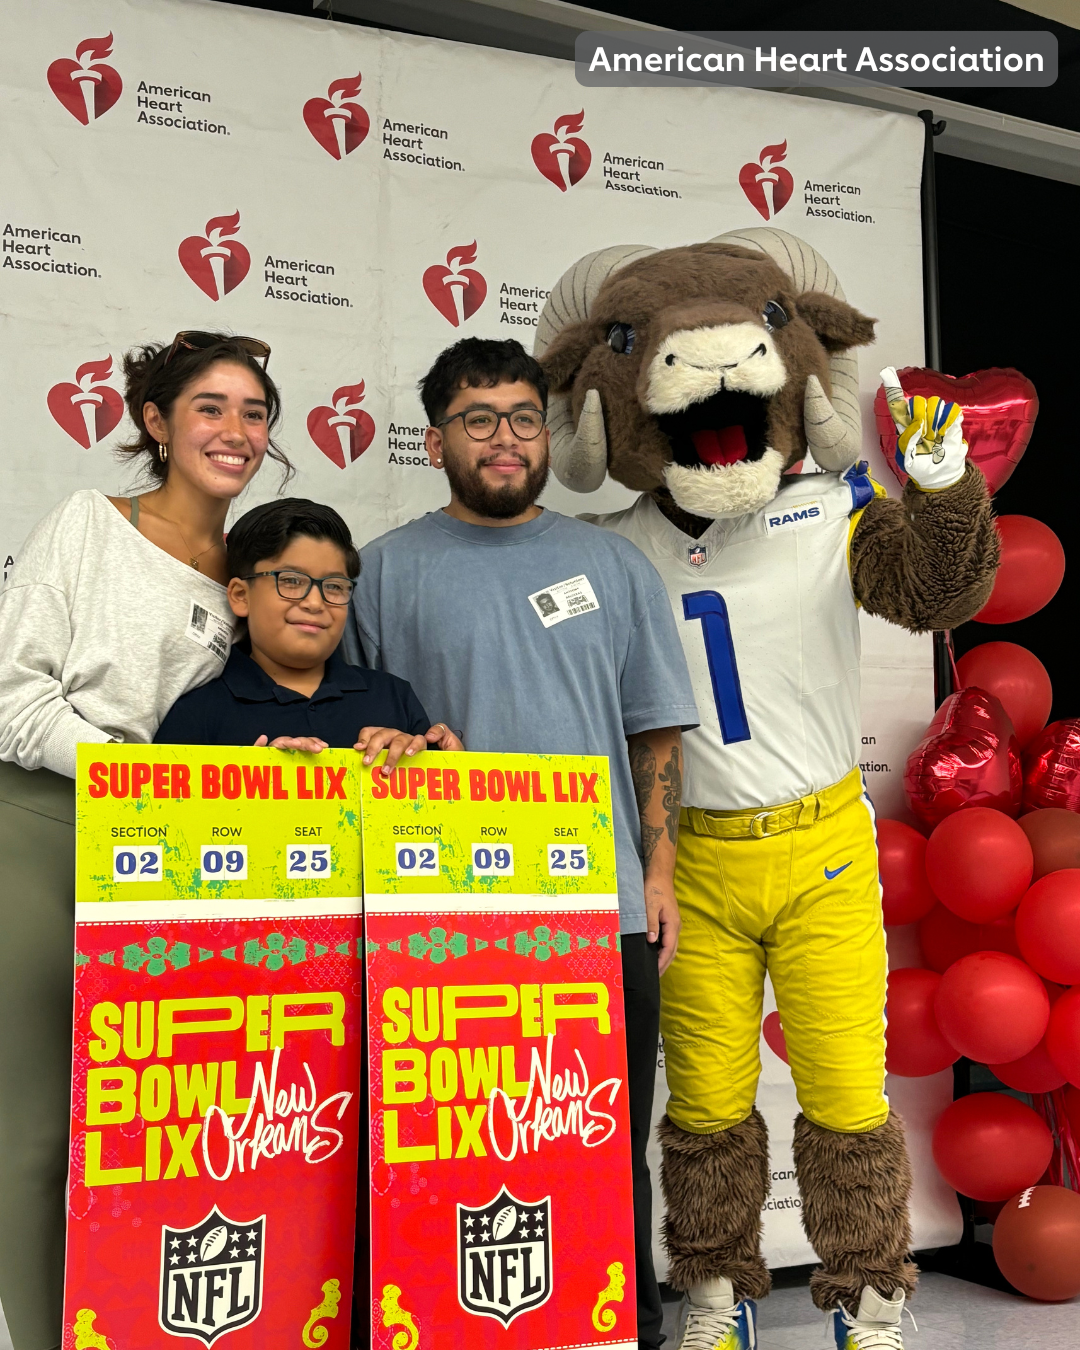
504,1256
697,555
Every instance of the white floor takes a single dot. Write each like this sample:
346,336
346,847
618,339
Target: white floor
952,1315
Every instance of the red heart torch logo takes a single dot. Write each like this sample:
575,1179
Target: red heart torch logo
563,159
457,292
84,86
344,431
773,1032
768,188
215,266
88,409
336,123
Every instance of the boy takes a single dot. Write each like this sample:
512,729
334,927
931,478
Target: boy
292,566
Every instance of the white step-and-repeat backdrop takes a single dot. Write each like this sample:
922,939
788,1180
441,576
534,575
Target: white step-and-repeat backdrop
361,199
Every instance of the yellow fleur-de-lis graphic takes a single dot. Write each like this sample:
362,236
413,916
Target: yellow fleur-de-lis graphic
394,1315
86,1338
314,1336
603,1319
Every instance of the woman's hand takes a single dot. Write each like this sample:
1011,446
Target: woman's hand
308,745
372,740
441,736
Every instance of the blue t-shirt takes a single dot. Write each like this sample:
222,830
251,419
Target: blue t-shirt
552,637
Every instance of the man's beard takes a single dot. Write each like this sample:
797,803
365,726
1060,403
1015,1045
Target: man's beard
497,503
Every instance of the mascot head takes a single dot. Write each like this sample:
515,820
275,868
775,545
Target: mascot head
706,370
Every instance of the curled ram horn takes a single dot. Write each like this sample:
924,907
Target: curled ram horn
833,426
579,453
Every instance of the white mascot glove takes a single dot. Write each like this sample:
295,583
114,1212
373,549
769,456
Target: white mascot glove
930,447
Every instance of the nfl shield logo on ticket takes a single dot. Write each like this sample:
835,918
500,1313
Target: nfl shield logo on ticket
504,1256
211,1276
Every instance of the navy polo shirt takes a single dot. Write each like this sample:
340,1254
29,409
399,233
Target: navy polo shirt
244,703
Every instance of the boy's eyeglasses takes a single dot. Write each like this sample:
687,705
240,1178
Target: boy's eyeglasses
482,423
297,586
196,341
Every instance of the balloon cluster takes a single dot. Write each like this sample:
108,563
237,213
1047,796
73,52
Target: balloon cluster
995,893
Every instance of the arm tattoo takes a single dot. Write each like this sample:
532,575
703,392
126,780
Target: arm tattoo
643,772
672,777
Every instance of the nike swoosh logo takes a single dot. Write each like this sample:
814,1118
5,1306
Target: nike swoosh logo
831,876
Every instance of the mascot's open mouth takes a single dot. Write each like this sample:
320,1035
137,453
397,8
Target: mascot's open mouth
721,430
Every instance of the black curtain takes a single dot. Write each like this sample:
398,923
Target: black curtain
1010,296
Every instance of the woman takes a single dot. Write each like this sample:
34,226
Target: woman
115,607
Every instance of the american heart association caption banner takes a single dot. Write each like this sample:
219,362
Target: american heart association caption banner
361,199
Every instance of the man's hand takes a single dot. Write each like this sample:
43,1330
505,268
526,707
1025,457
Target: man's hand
662,919
308,745
373,740
930,445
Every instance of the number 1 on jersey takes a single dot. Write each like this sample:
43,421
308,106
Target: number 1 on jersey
709,607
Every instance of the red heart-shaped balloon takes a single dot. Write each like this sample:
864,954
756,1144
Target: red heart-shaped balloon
1052,767
969,757
999,406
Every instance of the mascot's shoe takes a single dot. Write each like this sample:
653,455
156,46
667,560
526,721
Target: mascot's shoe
876,1326
716,1321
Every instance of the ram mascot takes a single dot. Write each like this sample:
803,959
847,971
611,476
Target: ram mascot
700,376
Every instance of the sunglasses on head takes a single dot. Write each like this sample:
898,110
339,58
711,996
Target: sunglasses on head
196,341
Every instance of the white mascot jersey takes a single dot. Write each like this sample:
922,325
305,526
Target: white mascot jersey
770,629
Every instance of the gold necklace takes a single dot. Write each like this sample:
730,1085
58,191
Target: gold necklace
193,560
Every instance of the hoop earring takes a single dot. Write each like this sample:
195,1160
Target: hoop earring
163,451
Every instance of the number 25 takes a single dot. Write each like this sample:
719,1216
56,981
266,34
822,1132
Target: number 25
709,607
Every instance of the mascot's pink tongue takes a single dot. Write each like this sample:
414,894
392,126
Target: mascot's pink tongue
725,446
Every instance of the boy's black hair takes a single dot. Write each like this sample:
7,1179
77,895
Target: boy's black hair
265,532
480,363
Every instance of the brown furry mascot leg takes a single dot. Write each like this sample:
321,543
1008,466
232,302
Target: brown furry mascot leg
855,1190
715,1186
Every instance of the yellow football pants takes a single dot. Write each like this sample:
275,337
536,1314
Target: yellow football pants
792,890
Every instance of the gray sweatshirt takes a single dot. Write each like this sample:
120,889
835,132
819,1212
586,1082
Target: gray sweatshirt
100,633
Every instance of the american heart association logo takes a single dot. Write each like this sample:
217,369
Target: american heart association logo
562,158
85,86
88,409
344,431
338,124
215,266
768,187
456,291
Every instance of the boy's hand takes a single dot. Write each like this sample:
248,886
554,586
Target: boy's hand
441,735
308,745
372,740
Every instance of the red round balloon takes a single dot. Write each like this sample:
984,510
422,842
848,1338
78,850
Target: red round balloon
1037,1243
906,896
1072,1109
979,863
945,938
999,936
989,1146
1054,836
969,757
1063,1035
1048,926
991,1007
1032,566
1052,767
999,406
914,1045
1016,677
1035,1071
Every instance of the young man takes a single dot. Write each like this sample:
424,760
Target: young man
536,633
292,567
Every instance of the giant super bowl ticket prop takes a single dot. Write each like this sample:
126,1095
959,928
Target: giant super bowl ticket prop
217,1035
501,1211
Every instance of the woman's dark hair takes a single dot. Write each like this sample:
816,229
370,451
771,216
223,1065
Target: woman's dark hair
266,531
150,378
479,363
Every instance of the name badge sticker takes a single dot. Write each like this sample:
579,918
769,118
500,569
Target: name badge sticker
792,516
210,630
564,600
